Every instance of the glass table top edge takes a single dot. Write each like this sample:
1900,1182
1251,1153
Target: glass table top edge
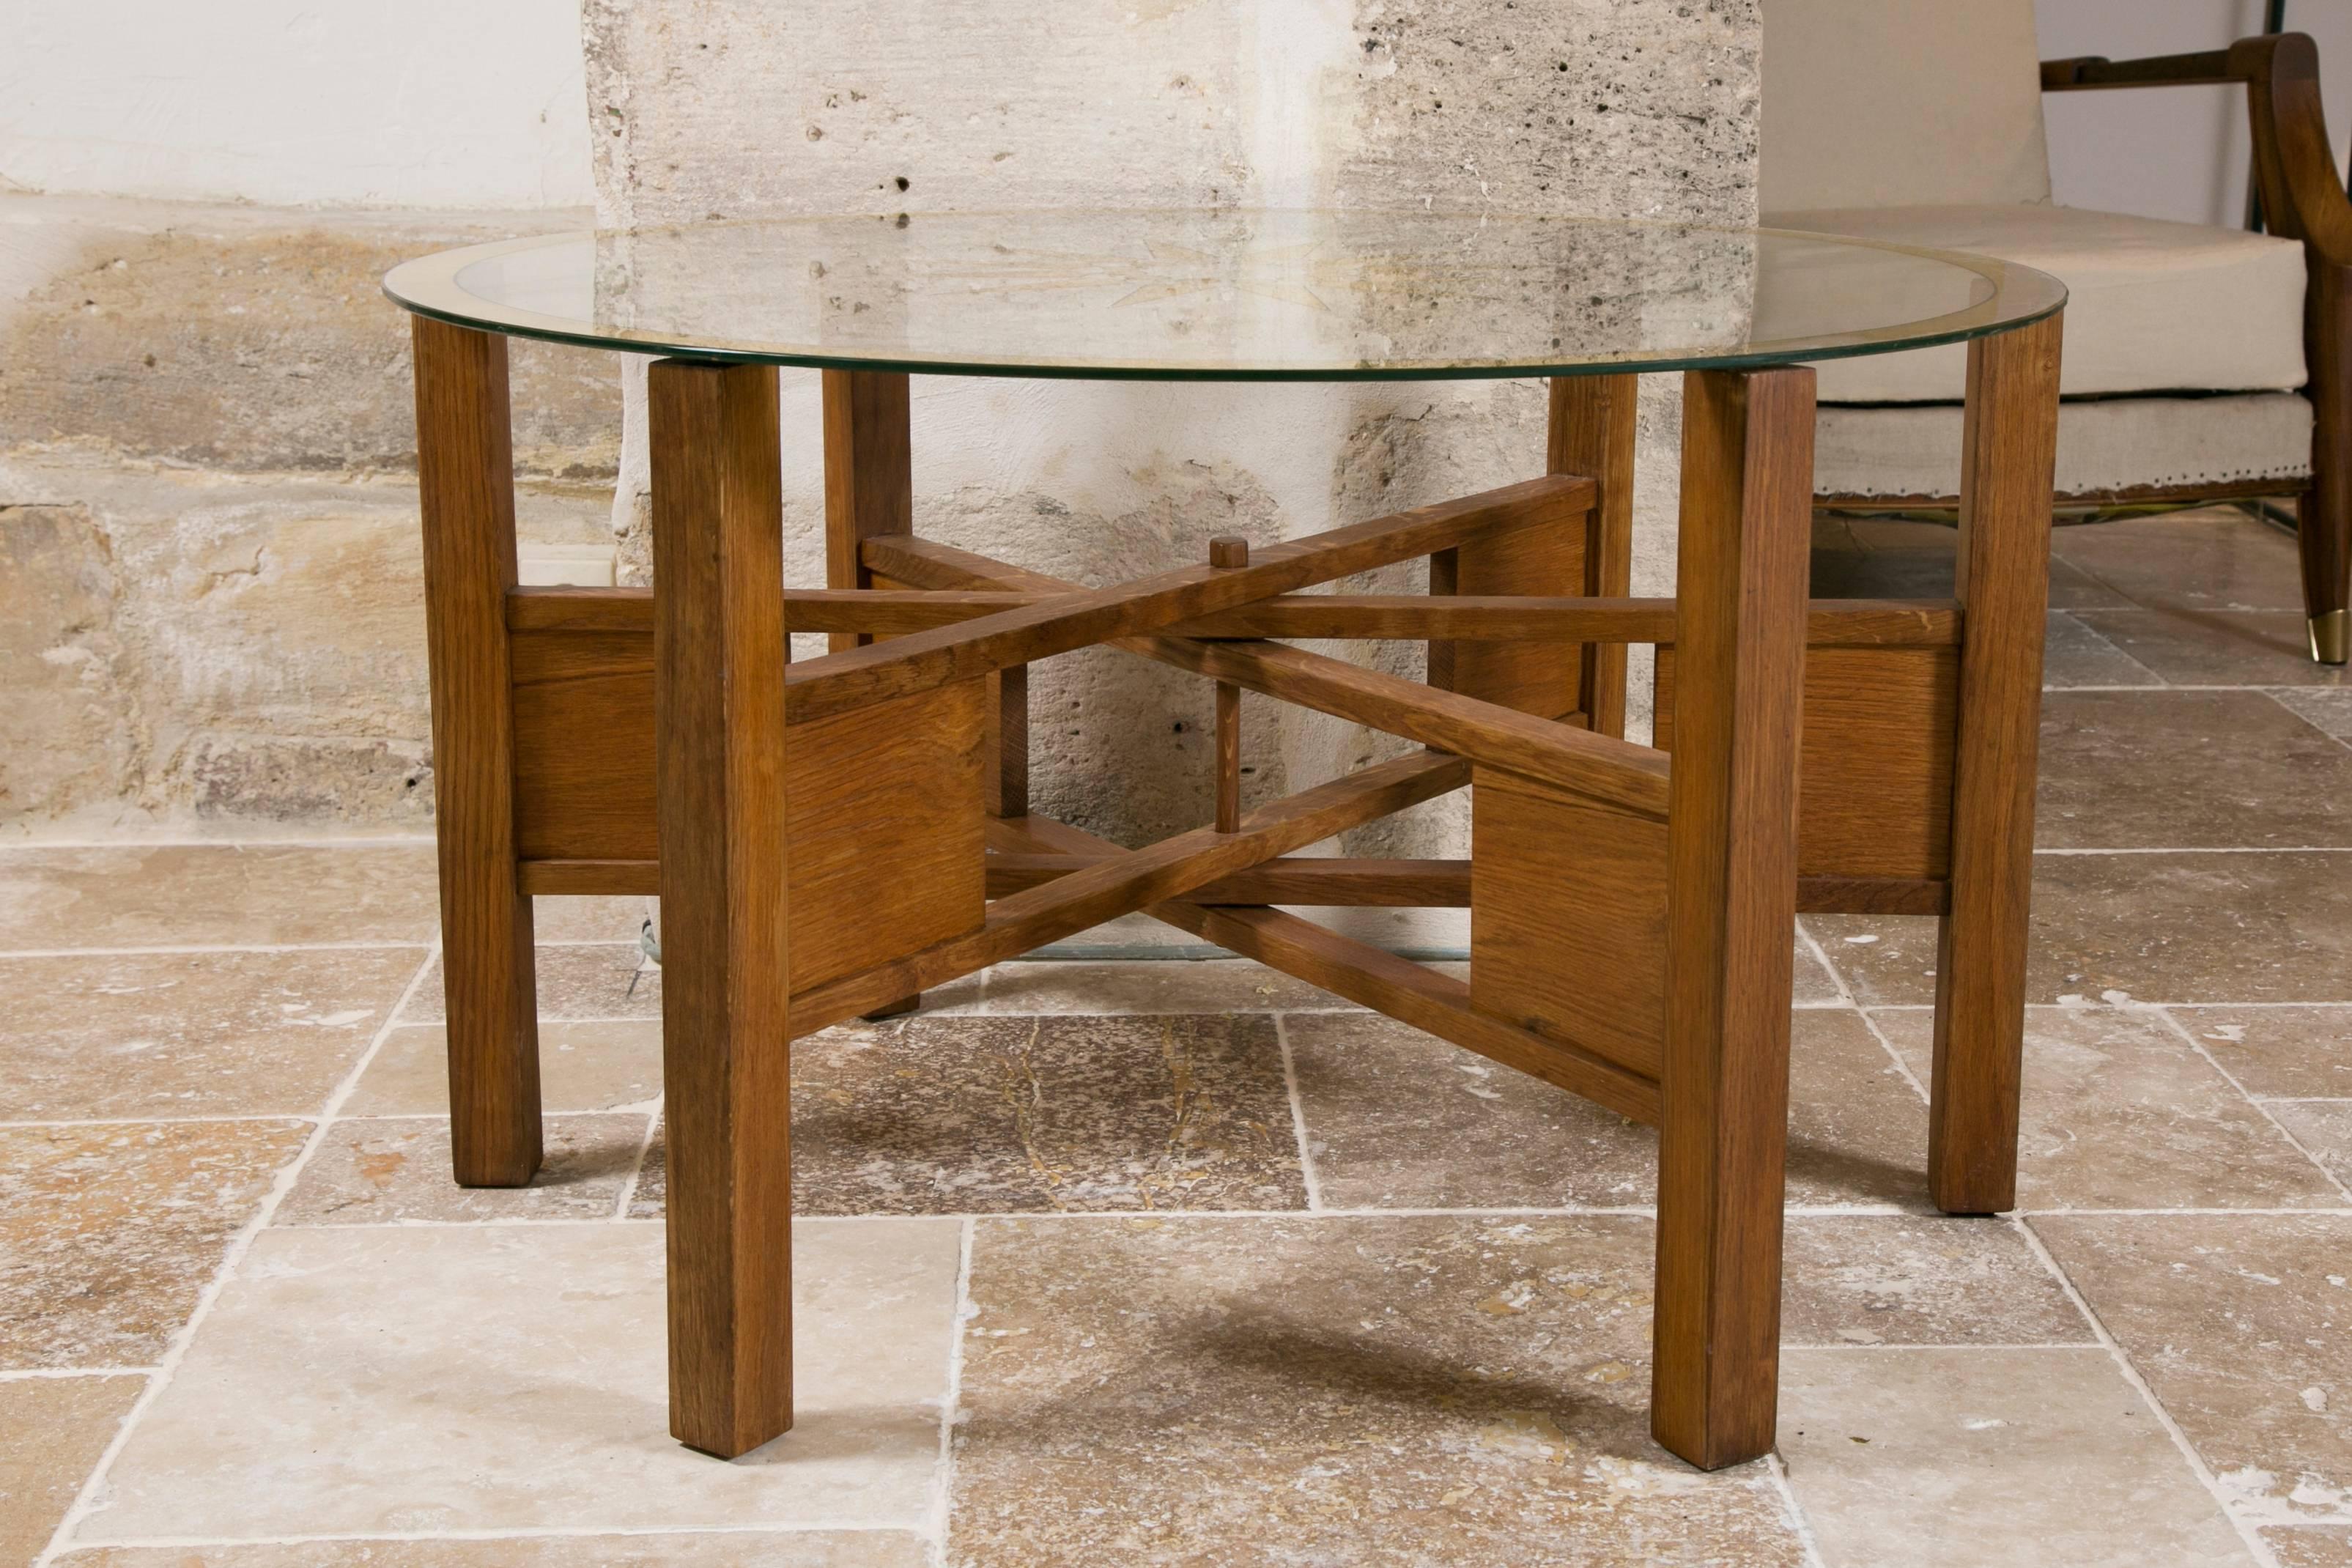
414,286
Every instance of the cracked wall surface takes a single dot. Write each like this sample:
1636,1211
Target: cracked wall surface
759,107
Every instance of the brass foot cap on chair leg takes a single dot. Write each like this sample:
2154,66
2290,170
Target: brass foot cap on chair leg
2331,636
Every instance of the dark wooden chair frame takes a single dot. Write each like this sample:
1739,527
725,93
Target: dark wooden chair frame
831,837
2302,194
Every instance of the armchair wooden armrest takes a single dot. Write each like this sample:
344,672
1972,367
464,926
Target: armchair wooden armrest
2301,188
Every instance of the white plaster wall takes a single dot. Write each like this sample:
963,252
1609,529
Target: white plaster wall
2173,153
426,103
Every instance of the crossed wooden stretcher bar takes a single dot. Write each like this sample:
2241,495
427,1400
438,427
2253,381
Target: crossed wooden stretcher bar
829,837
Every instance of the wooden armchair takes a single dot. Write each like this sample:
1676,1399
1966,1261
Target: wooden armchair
2202,363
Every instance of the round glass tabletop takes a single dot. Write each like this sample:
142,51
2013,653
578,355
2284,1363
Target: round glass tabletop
1226,294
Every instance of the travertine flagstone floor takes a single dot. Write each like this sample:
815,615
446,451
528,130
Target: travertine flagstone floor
1186,1263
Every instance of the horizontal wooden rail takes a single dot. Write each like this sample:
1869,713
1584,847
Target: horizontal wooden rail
1831,622
922,661
1125,882
1597,767
1394,884
1440,884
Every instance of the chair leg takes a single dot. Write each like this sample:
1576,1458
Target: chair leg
466,482
1731,902
2324,516
2003,584
718,784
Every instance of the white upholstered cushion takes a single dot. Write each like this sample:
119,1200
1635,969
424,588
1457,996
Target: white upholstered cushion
2153,306
2105,445
1878,104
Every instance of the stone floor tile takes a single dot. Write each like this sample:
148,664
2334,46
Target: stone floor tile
2120,1112
1398,1118
2217,648
108,1233
123,1036
1332,1391
2327,709
729,1549
387,1171
2186,770
2293,1052
582,1067
2193,928
994,1115
1873,1280
2242,1327
479,1378
52,1430
569,917
2213,558
2311,1548
579,981
1904,572
2074,655
1156,985
1958,1458
188,894
1886,961
2324,1127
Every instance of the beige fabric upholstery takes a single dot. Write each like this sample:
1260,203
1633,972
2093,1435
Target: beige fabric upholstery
2153,307
1875,103
2103,446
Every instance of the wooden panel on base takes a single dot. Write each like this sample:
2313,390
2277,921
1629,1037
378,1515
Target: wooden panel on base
1875,798
1567,918
886,805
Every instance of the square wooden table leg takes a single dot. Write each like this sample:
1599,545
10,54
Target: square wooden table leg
1593,428
464,468
719,658
869,489
1731,868
2003,587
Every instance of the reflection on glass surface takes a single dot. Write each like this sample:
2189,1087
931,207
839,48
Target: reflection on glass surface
1226,293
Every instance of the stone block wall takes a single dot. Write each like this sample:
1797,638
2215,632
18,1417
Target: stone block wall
210,608
210,604
762,108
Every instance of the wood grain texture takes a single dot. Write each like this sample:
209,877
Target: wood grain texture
1301,880
1535,677
1880,729
869,486
1731,866
2004,588
1561,752
720,788
464,463
1568,919
919,660
884,806
1830,623
1591,430
1404,989
1127,882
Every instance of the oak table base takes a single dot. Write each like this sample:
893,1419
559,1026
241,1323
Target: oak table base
831,837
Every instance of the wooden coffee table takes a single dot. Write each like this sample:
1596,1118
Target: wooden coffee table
831,837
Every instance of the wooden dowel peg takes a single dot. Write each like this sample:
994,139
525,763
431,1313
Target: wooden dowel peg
1229,550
